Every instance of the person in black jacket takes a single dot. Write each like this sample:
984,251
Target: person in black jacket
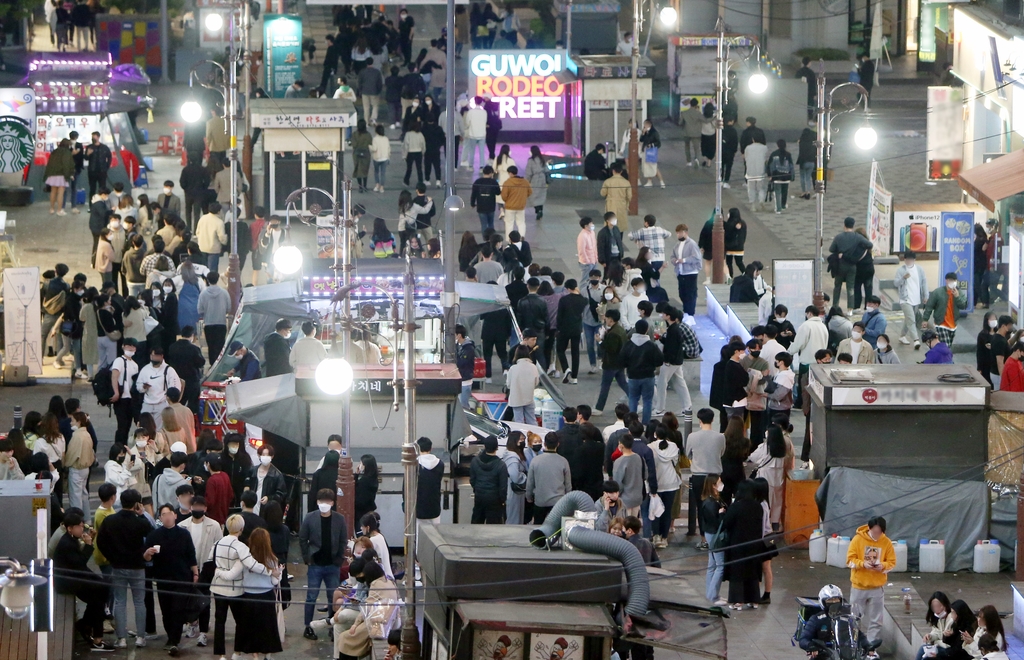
325,477
532,313
70,564
735,239
99,212
609,241
330,66
751,134
237,463
524,255
488,476
517,289
734,379
121,539
742,289
99,164
483,198
194,181
595,165
781,171
428,484
495,331
433,136
274,488
806,160
277,350
730,144
465,360
187,361
367,483
642,357
173,554
569,321
569,440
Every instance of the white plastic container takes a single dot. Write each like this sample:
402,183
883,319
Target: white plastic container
550,415
933,556
832,547
986,557
841,549
901,556
818,546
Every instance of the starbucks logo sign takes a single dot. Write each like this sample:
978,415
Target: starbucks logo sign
16,145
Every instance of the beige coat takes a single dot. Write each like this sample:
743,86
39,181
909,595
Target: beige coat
80,454
358,640
867,354
617,193
90,334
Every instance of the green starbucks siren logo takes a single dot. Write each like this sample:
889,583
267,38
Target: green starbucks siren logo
16,146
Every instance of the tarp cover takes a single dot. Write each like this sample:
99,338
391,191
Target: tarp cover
913,509
272,405
684,631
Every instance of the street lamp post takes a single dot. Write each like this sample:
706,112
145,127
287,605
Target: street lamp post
410,636
234,267
718,229
634,146
866,138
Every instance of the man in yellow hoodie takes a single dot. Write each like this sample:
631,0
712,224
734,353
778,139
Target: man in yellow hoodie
870,558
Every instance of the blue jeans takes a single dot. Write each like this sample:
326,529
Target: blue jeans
590,333
807,177
464,396
663,524
212,261
645,520
642,387
467,152
607,376
136,580
329,575
716,570
524,414
585,273
486,221
380,170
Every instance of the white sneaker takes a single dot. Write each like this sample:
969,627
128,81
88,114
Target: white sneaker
62,212
140,642
689,320
487,380
726,185
592,370
439,184
904,340
121,643
648,185
662,184
596,413
657,413
202,640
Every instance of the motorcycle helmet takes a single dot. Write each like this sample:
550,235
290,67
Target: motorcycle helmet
830,594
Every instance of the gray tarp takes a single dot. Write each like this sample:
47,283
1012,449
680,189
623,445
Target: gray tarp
476,298
272,405
956,512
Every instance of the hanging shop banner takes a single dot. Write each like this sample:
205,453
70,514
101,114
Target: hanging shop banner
51,129
793,286
523,85
879,212
17,116
22,326
282,52
956,251
945,133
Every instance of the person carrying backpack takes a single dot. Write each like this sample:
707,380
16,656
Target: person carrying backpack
780,169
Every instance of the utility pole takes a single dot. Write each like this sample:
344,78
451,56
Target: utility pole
231,116
346,482
448,244
819,189
718,229
410,635
634,147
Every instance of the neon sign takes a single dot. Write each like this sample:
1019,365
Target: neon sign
523,84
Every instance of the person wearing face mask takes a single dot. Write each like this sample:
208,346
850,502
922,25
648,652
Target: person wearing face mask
121,539
517,468
874,320
117,239
153,381
712,508
122,374
610,249
269,242
168,201
117,469
938,350
885,352
938,617
943,307
630,312
219,494
237,463
1013,371
912,285
1000,347
277,350
248,367
323,537
205,533
266,480
857,346
617,193
183,508
586,248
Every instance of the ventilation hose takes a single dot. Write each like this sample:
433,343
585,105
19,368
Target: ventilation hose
570,503
615,547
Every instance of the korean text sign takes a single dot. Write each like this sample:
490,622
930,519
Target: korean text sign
282,43
523,84
956,251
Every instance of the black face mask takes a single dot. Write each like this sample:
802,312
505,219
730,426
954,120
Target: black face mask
594,282
198,515
536,449
120,459
156,363
755,353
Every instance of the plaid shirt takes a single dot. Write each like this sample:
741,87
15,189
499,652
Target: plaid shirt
652,237
691,345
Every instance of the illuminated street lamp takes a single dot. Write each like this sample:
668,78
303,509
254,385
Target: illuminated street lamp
865,138
334,376
16,586
191,111
288,259
758,83
214,22
668,16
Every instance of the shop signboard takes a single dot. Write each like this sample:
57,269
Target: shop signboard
793,286
22,325
282,52
17,116
916,230
879,212
51,129
945,133
523,84
956,253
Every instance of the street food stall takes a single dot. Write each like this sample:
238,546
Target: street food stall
87,93
302,145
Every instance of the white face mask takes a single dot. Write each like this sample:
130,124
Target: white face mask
613,222
856,335
168,289
233,449
640,290
167,191
140,443
951,285
114,226
265,460
324,507
993,323
609,296
719,486
590,227
882,345
129,354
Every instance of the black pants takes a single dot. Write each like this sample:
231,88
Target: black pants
432,161
744,590
540,355
756,427
540,513
864,283
406,47
325,79
847,275
123,413
491,345
95,598
692,519
97,180
215,335
488,510
727,166
688,292
573,344
150,608
491,139
172,609
194,206
729,258
415,158
220,617
190,395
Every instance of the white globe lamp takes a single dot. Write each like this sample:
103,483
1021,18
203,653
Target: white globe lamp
668,16
865,137
214,22
288,259
334,376
191,111
758,83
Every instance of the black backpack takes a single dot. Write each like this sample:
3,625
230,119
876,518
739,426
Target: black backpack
101,386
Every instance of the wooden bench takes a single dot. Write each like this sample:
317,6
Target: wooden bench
18,642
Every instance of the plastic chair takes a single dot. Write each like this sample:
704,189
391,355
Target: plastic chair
163,145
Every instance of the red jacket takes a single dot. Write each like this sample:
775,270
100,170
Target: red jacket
1013,376
218,496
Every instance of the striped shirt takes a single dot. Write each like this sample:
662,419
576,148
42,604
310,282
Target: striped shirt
652,237
232,557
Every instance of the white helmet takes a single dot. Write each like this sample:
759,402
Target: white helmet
829,592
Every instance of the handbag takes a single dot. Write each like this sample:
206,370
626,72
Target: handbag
656,507
721,539
651,155
149,324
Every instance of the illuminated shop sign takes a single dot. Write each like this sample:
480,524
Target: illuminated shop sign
523,84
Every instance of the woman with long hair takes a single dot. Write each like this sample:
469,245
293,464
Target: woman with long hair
537,176
233,559
711,510
382,240
134,321
981,240
467,251
280,539
983,353
169,313
90,331
361,154
965,624
939,618
502,162
370,525
60,168
171,431
666,458
50,441
744,523
737,449
761,491
989,623
735,240
257,632
406,218
772,458
22,453
515,463
367,483
324,477
377,608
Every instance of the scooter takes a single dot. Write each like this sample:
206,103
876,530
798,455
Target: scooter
845,641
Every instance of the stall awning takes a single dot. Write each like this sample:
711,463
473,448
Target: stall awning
571,618
271,404
995,180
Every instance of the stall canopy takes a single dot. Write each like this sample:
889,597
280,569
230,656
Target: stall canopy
995,180
271,404
476,298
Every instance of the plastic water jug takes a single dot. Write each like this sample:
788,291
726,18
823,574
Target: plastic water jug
841,549
933,556
818,546
551,415
901,556
986,557
831,549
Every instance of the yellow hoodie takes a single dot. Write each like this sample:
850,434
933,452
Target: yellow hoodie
864,551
